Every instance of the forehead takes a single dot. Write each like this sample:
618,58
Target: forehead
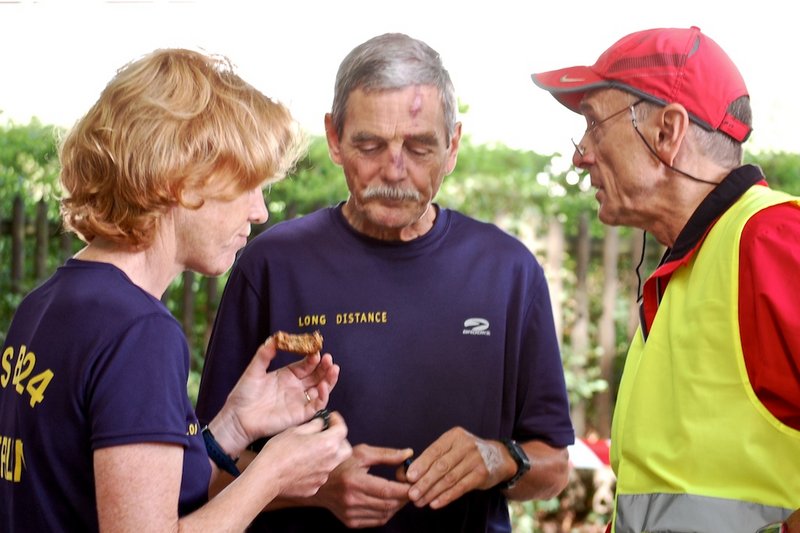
409,110
603,99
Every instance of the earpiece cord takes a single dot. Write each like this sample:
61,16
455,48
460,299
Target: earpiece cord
638,267
655,154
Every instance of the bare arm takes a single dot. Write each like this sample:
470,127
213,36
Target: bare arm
138,485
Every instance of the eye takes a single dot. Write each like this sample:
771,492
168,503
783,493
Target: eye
419,149
368,148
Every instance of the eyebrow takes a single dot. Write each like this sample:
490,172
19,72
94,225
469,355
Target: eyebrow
429,139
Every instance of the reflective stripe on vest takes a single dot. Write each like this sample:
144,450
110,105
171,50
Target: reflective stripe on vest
688,428
681,513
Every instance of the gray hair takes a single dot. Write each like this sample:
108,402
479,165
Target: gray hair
392,61
722,149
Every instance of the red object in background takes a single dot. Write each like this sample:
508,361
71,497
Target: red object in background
601,448
589,452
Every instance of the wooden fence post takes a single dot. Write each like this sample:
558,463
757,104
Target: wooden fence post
42,240
212,290
17,244
187,307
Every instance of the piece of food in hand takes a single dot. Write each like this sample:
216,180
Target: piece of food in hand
301,343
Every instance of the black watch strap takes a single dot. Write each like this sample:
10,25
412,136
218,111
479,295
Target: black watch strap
217,454
520,457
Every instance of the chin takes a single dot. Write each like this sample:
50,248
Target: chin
398,216
605,217
215,269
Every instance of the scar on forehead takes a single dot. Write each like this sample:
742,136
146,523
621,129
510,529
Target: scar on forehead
416,104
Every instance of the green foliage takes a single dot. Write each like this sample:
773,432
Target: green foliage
316,182
519,190
28,165
484,177
29,171
781,169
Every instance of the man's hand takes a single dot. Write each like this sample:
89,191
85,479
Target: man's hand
360,499
456,463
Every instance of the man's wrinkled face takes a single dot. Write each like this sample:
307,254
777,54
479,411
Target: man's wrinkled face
395,153
613,156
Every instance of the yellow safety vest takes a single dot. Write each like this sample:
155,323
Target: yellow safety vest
692,446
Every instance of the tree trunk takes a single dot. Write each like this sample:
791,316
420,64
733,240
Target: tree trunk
554,267
187,313
212,297
17,244
580,330
42,240
604,401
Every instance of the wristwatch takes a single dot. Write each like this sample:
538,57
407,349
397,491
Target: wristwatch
520,457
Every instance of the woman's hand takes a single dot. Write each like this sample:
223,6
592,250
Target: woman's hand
300,459
265,403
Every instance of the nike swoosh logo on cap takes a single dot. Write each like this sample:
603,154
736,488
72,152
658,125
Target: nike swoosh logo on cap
567,79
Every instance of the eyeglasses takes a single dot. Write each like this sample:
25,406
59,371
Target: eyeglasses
582,151
595,124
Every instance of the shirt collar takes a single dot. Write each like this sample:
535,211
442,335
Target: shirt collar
711,208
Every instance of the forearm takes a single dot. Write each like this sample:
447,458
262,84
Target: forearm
246,495
548,475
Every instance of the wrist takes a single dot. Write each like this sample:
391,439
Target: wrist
521,460
225,431
218,455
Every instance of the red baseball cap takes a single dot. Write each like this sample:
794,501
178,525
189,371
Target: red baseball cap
662,65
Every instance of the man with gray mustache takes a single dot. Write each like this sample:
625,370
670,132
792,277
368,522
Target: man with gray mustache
451,380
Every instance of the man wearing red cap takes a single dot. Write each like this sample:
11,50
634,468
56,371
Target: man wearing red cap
706,432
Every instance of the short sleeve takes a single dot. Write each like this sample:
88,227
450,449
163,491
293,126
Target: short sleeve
137,386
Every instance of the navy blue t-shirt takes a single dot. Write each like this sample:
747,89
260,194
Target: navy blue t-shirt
454,328
90,361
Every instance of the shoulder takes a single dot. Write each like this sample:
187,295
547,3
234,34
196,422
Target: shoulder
489,236
479,227
779,223
304,224
295,232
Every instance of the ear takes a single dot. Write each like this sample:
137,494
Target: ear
452,155
673,124
334,146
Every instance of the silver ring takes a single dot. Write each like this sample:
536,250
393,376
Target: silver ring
308,398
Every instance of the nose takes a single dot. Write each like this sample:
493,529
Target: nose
580,154
577,158
258,211
395,165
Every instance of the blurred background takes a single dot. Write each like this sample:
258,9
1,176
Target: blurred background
514,164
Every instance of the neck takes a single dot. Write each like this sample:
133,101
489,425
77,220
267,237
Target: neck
151,268
416,229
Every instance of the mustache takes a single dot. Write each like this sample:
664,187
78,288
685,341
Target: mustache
390,193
